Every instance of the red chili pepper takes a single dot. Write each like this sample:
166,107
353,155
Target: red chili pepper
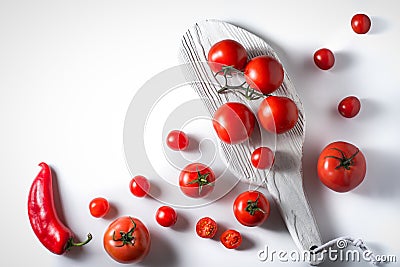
51,232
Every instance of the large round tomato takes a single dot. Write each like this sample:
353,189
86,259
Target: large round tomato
227,53
127,240
234,122
196,180
277,114
251,208
264,73
341,166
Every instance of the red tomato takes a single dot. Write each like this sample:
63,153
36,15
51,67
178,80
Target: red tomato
99,207
127,240
206,227
234,122
166,216
251,208
360,23
196,180
262,158
177,140
349,107
264,73
324,59
231,239
227,53
277,114
139,186
341,166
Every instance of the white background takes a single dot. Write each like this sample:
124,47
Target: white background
69,69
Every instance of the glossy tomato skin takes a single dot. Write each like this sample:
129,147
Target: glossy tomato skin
132,252
360,23
99,207
262,158
139,186
206,227
234,122
194,185
166,216
231,239
349,107
277,114
227,53
341,178
324,59
264,73
251,208
177,140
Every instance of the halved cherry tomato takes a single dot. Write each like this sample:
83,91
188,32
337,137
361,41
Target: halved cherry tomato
360,23
227,53
166,216
206,227
324,59
99,207
262,158
196,180
177,140
139,186
251,208
349,106
231,239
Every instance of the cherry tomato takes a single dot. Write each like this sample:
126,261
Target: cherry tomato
277,114
166,216
349,106
341,166
206,227
264,73
196,180
360,23
251,208
177,140
262,158
99,207
231,239
324,59
139,186
234,122
127,240
227,53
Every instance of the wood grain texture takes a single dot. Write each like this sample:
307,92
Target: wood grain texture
284,181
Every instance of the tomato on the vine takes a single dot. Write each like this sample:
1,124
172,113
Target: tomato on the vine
196,180
227,53
234,122
251,208
127,240
360,23
264,73
349,106
206,227
262,158
324,58
177,140
99,207
277,114
139,186
341,166
166,216
231,239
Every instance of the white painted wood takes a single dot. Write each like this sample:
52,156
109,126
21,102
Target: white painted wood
284,181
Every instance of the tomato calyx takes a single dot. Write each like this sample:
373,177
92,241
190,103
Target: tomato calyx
344,162
126,238
201,180
252,206
71,243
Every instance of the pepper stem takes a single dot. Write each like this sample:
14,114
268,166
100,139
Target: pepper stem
71,243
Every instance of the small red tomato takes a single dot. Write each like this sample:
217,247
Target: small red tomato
227,53
262,158
99,207
196,180
324,59
277,114
139,186
206,227
177,140
349,106
231,239
166,216
264,73
360,23
234,122
251,208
